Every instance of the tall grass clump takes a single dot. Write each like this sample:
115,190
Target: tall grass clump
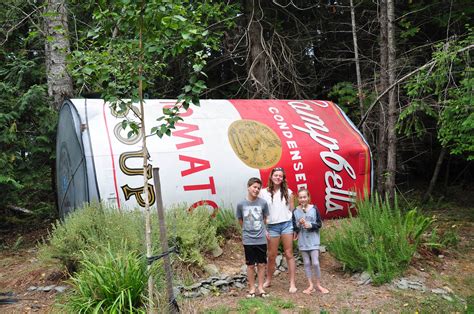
193,232
95,228
226,223
111,282
380,240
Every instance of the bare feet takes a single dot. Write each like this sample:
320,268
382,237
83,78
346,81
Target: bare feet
322,289
309,290
292,289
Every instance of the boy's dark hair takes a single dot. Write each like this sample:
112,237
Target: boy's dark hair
254,180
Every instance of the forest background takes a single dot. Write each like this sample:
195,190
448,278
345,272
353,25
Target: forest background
402,70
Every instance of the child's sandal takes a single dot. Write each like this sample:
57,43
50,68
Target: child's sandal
250,295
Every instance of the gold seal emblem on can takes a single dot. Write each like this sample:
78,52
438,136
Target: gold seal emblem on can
255,144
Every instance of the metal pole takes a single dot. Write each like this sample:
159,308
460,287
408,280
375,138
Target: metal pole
172,306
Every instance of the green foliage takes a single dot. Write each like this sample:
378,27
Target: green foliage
444,92
445,239
192,232
132,40
110,282
27,128
345,94
380,240
226,223
257,306
96,228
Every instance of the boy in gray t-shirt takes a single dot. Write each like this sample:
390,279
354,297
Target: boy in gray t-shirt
252,214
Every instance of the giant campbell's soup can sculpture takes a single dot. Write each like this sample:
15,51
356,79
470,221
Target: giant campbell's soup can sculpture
212,153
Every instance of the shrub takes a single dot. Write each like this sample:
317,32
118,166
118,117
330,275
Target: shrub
110,282
380,240
226,223
92,228
192,231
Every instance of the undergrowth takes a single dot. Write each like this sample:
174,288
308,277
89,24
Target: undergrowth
111,282
96,228
380,239
226,223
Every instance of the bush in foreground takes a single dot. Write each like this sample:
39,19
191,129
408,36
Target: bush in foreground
111,282
380,240
96,229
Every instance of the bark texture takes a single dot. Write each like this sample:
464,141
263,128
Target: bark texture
57,47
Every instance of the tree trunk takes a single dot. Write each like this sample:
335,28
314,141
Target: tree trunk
56,49
381,152
257,77
357,64
434,178
392,103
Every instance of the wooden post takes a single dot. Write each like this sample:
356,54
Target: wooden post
172,305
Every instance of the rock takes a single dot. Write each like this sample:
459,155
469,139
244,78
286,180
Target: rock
364,279
284,263
355,276
401,284
243,269
239,285
404,284
216,252
211,269
193,286
204,291
278,261
176,291
441,256
281,268
46,288
219,283
447,297
276,273
439,291
225,288
448,289
60,289
322,249
192,294
32,288
224,277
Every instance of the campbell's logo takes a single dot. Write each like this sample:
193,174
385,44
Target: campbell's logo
315,127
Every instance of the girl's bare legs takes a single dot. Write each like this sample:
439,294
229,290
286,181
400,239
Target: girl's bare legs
287,240
272,250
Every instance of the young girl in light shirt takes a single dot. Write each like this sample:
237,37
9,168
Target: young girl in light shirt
307,222
280,227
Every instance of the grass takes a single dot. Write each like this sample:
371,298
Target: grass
113,282
410,302
258,306
380,240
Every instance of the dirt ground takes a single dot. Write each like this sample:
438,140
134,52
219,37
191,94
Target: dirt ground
20,268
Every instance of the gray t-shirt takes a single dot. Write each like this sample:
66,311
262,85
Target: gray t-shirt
253,227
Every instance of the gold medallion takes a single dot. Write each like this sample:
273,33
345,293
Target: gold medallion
255,144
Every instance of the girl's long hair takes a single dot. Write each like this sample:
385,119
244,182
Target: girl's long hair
283,186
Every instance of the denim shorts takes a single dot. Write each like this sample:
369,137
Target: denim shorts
276,230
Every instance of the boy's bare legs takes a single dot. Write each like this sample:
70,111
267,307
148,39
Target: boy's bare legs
287,240
251,278
272,250
261,277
